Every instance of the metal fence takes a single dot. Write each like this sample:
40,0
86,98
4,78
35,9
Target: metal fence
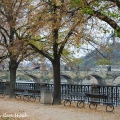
113,92
2,87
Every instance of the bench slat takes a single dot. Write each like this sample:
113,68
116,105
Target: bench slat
97,96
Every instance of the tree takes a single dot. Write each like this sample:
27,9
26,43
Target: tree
13,29
105,16
105,10
109,14
59,29
103,62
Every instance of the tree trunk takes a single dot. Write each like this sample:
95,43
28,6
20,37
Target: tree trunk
12,67
57,82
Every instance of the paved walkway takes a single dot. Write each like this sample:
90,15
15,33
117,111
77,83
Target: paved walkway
20,110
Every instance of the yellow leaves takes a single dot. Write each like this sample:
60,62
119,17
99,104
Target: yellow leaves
18,47
30,0
65,52
37,38
17,43
103,62
13,50
40,45
59,3
78,36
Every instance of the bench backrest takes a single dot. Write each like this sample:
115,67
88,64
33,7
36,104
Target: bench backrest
77,94
101,96
18,90
34,91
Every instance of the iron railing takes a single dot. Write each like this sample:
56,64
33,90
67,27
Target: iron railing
2,87
113,92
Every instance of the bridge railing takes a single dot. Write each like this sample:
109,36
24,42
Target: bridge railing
113,92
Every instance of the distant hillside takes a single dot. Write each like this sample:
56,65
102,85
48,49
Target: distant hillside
112,54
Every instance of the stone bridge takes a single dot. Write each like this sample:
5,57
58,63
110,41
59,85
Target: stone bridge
102,77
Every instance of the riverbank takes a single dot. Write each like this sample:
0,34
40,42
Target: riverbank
20,110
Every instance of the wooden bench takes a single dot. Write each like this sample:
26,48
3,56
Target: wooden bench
75,96
27,95
18,93
99,99
32,95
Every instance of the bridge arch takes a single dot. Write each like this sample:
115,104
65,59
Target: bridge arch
98,78
68,78
116,80
34,78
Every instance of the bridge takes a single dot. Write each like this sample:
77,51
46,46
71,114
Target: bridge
79,77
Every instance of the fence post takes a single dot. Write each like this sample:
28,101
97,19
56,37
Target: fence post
95,90
7,87
46,95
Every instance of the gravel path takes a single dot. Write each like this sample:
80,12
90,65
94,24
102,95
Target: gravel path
20,110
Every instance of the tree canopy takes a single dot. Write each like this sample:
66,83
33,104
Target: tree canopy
13,32
105,10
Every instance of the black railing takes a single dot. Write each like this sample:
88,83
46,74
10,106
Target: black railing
113,92
2,87
28,86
